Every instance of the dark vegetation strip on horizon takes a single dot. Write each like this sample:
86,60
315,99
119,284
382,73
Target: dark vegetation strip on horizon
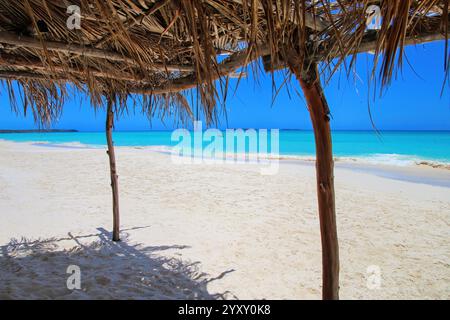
38,131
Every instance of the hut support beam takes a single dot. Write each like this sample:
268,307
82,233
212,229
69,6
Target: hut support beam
308,76
14,39
227,67
113,169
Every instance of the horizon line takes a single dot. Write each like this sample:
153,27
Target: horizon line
221,129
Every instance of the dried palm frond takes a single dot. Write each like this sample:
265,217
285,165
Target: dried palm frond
159,48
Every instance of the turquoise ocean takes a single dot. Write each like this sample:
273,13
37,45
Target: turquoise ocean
387,147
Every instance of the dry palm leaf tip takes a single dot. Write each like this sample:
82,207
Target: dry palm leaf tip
157,49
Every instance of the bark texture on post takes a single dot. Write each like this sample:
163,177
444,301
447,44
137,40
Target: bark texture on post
113,170
308,76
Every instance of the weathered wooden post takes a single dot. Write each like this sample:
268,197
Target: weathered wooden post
112,167
308,76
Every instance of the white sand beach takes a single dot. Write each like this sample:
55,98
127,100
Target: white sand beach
211,231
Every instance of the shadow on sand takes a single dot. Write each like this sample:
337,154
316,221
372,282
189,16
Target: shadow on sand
109,270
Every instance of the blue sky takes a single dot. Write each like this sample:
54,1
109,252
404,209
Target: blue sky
412,102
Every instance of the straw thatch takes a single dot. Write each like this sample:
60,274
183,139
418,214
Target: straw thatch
163,47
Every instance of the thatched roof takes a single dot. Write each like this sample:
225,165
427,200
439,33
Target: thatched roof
159,48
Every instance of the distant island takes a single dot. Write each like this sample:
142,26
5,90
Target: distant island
38,131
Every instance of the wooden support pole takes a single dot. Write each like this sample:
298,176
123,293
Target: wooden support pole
308,77
18,63
191,81
112,168
84,51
